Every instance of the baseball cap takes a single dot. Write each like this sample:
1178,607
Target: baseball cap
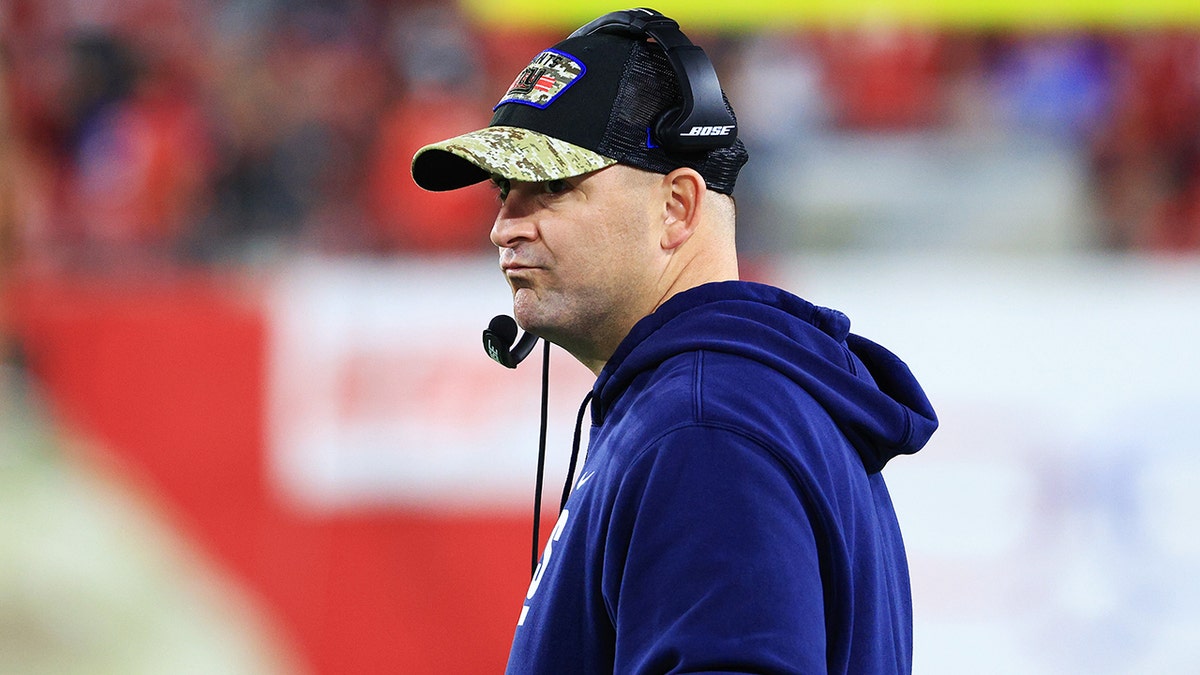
586,103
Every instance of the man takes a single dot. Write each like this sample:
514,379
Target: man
730,515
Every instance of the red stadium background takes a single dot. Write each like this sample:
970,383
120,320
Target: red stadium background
170,378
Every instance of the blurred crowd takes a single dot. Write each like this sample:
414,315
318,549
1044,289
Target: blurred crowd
167,132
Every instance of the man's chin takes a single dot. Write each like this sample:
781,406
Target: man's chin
527,309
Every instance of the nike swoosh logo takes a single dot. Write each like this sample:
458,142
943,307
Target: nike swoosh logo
584,478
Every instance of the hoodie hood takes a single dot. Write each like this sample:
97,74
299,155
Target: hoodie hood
868,391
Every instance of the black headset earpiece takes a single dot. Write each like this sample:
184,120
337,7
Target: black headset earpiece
702,122
498,339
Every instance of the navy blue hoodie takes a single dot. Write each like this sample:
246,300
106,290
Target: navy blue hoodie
730,515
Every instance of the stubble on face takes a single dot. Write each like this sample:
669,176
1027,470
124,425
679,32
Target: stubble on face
591,269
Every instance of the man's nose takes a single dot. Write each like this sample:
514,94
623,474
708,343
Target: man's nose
513,225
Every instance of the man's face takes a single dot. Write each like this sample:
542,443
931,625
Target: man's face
582,255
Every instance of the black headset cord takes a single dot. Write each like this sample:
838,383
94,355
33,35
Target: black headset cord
541,467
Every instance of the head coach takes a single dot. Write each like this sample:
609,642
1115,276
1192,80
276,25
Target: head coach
731,515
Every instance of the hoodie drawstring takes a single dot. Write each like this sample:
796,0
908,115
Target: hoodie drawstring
574,451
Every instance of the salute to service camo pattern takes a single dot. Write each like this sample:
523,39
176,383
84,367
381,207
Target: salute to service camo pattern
538,157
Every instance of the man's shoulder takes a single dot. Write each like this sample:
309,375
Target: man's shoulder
709,387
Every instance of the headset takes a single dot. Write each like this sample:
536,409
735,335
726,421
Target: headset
702,122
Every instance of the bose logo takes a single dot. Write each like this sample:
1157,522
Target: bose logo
709,131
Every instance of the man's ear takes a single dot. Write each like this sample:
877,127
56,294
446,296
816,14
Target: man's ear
684,189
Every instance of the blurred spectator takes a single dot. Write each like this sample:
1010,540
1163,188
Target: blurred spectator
8,174
110,139
1147,161
408,220
8,211
1054,84
883,77
139,152
298,111
442,71
778,81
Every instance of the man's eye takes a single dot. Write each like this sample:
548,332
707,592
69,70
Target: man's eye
503,186
553,187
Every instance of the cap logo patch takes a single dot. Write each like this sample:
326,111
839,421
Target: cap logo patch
544,79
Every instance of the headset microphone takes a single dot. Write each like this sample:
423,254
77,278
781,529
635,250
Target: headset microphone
498,341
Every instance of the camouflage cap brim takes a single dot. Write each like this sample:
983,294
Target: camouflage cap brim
510,152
